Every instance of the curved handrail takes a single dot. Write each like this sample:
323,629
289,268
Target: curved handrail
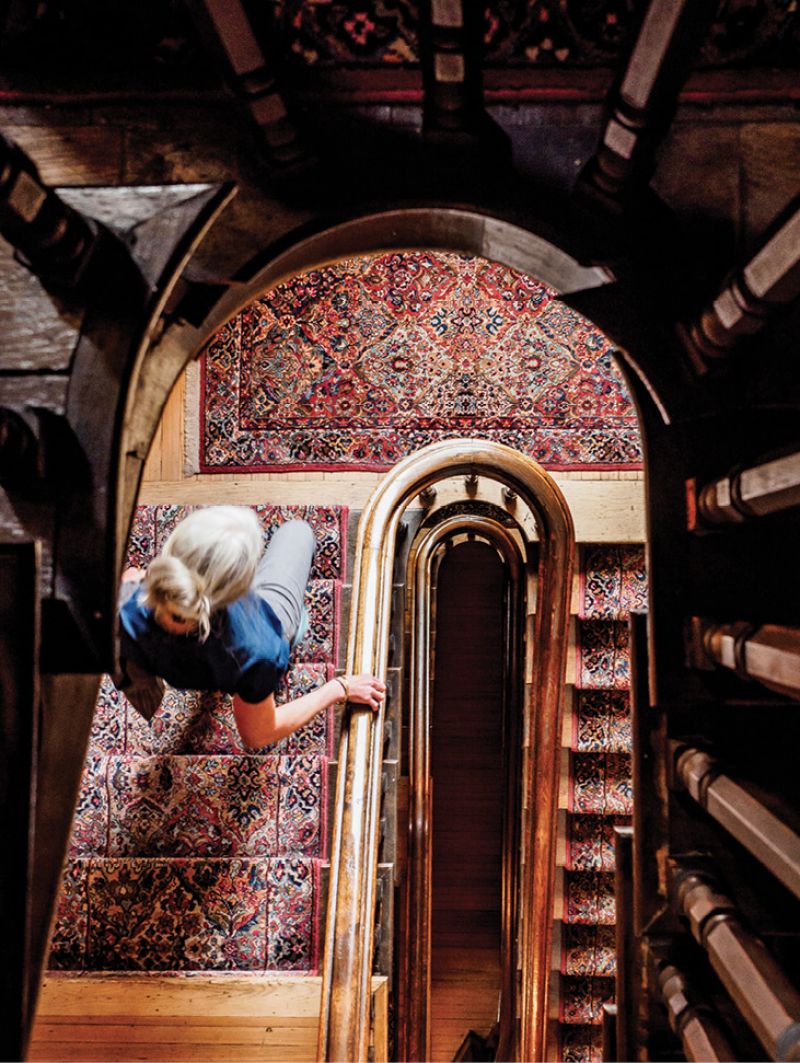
344,1010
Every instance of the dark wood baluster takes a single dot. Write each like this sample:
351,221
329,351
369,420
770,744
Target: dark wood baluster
769,654
764,833
649,778
56,241
692,1020
767,487
454,116
642,102
609,1035
751,298
226,25
767,1000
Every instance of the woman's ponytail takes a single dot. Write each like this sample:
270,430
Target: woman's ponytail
208,561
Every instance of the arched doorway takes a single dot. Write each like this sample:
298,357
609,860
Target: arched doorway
581,276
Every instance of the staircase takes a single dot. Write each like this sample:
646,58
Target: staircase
598,794
190,853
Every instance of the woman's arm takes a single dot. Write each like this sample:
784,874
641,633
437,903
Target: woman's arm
263,722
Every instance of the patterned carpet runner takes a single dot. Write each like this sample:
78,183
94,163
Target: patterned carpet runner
189,852
547,34
357,364
612,582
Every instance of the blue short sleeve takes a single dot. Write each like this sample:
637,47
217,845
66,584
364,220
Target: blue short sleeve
258,682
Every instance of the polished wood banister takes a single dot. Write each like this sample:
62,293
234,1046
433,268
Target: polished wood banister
627,975
769,653
759,988
609,1018
643,98
758,828
758,490
692,1020
415,962
344,1018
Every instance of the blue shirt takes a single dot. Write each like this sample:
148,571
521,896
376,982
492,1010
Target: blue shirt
245,653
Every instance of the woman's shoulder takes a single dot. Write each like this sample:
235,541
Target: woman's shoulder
251,618
134,614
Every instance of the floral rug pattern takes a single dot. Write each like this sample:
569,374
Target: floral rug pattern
188,851
155,914
601,721
534,33
612,582
589,952
358,364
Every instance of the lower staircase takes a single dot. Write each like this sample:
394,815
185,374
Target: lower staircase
191,855
597,793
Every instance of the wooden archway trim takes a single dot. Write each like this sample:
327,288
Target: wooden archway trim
344,1012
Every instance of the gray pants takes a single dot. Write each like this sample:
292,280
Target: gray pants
282,574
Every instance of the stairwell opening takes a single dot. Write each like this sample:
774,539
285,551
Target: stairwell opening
469,766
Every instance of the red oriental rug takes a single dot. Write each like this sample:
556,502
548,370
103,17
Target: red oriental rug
356,365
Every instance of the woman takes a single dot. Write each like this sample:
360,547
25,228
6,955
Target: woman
212,613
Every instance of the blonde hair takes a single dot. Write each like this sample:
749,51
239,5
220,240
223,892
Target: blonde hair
208,561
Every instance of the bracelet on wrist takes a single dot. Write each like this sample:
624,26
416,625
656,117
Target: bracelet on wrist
342,681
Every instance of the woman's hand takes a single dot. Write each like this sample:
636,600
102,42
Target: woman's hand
132,575
365,690
263,722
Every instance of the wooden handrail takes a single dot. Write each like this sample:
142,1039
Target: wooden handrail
415,964
769,653
692,1020
626,978
344,1013
610,1017
650,829
765,997
759,829
770,486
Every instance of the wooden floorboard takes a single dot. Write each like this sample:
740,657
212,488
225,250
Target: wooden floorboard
151,1018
